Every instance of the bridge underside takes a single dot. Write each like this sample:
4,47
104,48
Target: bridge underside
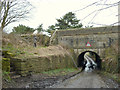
99,52
97,59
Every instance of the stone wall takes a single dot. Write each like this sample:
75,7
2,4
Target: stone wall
39,64
100,52
84,31
96,41
99,37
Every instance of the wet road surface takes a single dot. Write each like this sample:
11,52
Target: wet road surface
84,80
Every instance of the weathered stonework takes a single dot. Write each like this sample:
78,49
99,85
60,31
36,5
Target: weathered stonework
99,38
39,64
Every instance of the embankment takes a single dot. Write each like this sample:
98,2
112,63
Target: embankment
37,60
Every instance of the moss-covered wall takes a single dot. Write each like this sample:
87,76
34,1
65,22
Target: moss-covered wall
6,55
6,64
40,64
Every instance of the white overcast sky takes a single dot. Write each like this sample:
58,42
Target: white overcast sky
47,11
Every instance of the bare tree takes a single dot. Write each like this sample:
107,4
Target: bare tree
13,10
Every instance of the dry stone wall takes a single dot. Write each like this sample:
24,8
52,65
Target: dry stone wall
39,64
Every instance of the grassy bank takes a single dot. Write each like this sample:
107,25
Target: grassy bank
60,72
115,77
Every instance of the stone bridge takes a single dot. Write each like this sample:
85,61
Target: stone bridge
83,40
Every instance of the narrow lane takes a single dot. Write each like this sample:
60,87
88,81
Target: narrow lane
83,80
87,79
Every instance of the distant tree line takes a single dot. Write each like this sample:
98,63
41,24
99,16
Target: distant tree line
22,29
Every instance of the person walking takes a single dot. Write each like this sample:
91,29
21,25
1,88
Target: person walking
35,41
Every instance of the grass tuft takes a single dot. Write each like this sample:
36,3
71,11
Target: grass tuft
57,72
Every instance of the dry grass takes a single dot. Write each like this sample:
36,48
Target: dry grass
14,40
43,51
20,48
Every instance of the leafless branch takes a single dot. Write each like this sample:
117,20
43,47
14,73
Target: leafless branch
13,10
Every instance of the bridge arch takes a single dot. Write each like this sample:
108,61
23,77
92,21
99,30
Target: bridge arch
80,59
